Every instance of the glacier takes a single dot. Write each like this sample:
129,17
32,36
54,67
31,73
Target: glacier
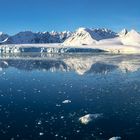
45,49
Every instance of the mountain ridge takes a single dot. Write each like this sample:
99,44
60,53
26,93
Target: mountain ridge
29,37
82,36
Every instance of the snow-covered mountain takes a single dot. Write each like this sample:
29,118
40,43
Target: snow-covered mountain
81,37
83,40
29,37
123,33
131,38
86,36
21,38
3,36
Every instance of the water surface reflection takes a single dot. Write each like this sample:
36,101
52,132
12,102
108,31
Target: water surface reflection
45,96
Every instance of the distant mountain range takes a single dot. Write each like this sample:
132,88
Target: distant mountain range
29,37
82,36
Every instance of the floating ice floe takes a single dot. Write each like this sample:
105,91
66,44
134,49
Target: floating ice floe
115,138
41,134
89,117
66,101
39,122
58,105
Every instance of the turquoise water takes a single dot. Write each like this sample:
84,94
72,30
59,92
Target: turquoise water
33,88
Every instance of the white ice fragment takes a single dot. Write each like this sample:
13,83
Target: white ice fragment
56,135
66,101
78,131
115,138
89,117
4,62
62,117
58,105
39,122
41,134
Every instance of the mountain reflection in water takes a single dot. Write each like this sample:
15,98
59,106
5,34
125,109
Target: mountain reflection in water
80,64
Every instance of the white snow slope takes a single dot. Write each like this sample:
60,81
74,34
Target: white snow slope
85,36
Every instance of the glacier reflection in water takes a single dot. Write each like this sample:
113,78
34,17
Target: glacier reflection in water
46,96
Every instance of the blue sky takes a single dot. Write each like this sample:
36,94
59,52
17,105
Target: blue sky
59,15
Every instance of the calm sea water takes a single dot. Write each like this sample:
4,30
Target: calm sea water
42,97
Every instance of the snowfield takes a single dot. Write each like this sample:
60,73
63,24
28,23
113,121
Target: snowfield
82,40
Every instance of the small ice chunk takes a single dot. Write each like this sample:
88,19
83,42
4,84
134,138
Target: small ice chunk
41,134
39,122
66,101
56,135
89,117
78,131
4,62
58,105
115,138
62,117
